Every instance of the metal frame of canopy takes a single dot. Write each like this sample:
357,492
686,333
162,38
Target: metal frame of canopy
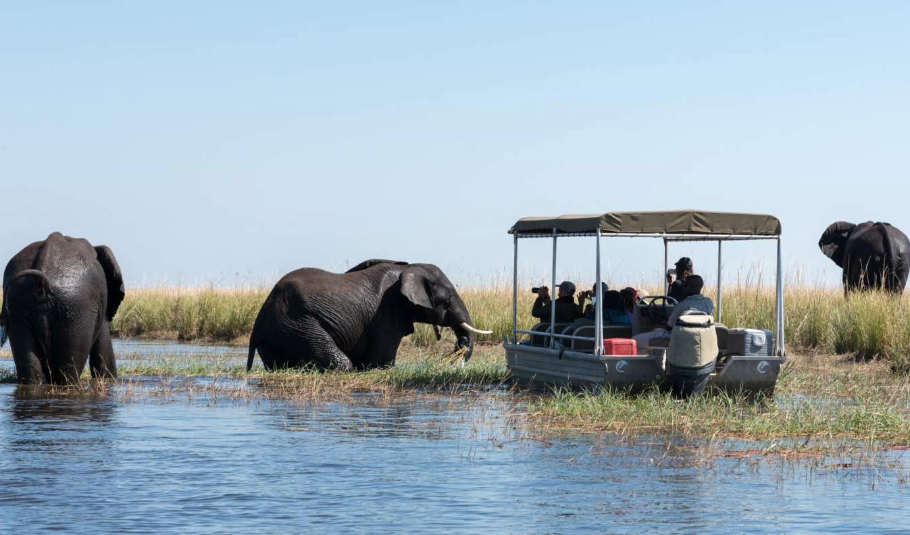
667,237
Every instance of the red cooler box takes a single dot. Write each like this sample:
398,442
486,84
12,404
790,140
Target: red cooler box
620,346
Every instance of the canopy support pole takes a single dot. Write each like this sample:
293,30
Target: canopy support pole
780,334
515,293
598,308
663,276
720,296
553,296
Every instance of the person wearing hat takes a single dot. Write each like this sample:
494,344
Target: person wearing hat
677,288
566,309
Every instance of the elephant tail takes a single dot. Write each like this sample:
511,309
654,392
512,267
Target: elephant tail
27,286
254,339
889,277
24,290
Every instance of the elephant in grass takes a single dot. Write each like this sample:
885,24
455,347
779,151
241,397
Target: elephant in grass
59,297
355,320
872,255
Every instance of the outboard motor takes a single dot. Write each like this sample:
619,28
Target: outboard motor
692,353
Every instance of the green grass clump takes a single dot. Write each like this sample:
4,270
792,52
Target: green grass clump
823,397
189,314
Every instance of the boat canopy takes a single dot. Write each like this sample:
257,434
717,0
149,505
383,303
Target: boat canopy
672,222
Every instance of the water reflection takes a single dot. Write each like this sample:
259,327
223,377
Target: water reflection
372,416
96,460
49,404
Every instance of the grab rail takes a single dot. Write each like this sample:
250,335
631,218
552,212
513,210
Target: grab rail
564,336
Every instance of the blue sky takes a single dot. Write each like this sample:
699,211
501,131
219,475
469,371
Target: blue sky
230,141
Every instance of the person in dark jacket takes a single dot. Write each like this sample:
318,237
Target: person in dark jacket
677,288
566,309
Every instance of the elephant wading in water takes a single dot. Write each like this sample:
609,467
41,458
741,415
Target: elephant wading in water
355,320
872,255
59,296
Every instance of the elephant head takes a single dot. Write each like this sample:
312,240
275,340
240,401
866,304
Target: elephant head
437,302
834,239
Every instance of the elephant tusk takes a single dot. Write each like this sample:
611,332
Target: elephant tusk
470,329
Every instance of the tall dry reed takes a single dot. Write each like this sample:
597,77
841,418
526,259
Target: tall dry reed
865,325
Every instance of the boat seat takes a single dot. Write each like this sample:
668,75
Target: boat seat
610,331
544,341
642,321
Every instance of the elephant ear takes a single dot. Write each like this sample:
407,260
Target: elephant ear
366,264
414,286
115,290
834,239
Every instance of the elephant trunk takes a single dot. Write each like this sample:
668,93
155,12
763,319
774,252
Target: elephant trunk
466,333
464,339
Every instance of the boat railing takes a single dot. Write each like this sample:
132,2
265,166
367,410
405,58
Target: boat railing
547,334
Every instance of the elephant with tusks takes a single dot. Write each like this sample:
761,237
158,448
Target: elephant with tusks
357,319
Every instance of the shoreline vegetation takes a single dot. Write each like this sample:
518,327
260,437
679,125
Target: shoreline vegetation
871,325
846,384
823,405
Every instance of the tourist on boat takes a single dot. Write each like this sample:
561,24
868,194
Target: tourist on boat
628,296
613,312
694,301
677,287
566,309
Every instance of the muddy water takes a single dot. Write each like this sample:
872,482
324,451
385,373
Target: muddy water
115,464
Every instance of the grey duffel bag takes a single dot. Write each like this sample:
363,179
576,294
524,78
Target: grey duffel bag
693,343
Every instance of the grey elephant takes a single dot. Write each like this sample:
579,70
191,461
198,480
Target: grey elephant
356,319
872,255
59,297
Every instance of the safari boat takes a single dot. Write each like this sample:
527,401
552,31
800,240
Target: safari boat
574,355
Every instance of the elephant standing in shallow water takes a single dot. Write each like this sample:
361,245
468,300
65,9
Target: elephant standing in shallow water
355,320
59,297
872,255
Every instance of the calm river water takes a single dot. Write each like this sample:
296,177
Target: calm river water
102,464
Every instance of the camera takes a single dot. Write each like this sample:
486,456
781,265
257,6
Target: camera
537,289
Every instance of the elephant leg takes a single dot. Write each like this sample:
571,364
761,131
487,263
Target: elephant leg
382,353
314,345
101,357
305,343
71,349
326,353
26,356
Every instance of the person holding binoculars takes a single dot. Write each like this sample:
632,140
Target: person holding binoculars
566,309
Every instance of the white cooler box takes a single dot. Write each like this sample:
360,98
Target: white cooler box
750,342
